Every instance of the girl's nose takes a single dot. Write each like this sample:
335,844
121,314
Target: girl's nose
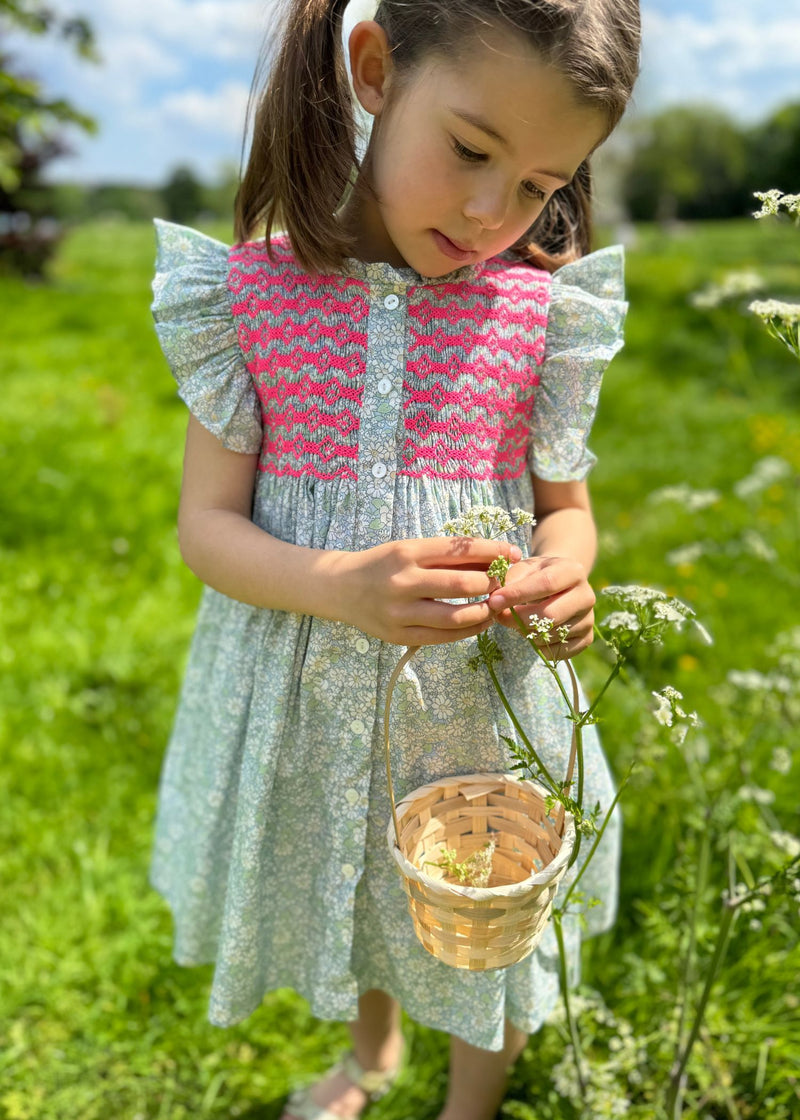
488,205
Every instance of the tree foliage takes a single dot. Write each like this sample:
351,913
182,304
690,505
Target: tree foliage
696,162
32,127
182,195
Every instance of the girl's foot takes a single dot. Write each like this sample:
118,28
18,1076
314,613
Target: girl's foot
346,1089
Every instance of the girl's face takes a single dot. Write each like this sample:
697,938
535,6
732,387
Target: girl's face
464,158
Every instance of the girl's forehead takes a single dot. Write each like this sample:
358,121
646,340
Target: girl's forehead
502,93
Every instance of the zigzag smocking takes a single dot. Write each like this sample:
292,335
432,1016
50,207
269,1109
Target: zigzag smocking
471,375
473,348
306,354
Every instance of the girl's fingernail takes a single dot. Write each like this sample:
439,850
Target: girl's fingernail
515,553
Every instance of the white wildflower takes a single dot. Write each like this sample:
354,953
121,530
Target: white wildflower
781,760
633,594
773,201
782,321
672,611
765,472
688,554
733,286
755,544
756,794
663,712
786,842
775,309
750,680
489,522
622,620
670,713
692,500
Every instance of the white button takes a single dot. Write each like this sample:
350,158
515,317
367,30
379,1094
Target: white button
348,870
385,386
379,470
357,727
362,645
391,302
352,797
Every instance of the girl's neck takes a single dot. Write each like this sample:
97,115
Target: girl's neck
360,217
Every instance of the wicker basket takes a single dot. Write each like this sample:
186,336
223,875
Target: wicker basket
478,928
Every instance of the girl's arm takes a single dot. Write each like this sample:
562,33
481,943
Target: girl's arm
390,591
553,583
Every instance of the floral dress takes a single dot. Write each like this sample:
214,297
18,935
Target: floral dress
380,404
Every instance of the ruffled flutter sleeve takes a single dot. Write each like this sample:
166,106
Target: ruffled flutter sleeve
194,324
584,332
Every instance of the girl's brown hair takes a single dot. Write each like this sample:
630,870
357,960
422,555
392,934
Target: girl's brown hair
303,152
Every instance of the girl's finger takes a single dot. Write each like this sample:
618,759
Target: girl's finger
433,583
424,636
564,650
545,587
447,552
434,615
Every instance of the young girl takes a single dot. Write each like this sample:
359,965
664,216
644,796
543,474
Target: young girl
428,334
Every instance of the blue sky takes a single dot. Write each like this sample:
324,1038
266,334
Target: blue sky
173,84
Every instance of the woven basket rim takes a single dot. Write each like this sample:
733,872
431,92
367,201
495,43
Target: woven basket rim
484,894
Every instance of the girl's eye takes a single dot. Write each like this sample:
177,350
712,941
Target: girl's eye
467,153
530,189
533,191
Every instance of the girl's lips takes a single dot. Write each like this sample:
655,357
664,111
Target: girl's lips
450,249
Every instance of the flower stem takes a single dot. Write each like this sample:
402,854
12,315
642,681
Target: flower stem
701,878
571,1023
675,1089
518,727
599,836
526,634
586,717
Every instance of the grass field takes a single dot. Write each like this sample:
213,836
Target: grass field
96,610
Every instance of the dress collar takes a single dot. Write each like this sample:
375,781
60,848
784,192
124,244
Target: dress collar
380,272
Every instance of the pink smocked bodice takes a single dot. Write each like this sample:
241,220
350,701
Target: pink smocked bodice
457,357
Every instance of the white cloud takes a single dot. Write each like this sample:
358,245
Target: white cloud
734,56
220,111
222,29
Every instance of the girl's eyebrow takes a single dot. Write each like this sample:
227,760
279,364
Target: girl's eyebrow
484,126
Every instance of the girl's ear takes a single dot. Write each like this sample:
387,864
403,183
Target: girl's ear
370,65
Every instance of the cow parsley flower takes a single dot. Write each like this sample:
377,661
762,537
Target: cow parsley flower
733,286
782,320
489,522
654,610
772,202
686,496
670,713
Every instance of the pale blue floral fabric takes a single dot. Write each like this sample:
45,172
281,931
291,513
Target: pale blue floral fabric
270,836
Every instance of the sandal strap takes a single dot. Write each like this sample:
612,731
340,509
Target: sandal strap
376,1083
303,1107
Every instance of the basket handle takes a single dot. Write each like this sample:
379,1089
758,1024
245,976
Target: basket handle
401,664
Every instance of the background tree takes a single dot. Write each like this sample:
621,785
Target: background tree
687,162
183,195
32,128
775,151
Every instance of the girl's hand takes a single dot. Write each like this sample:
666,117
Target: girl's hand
393,590
549,587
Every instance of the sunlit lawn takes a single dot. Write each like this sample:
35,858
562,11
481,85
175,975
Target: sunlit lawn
96,610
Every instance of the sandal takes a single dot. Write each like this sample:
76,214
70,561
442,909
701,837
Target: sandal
376,1083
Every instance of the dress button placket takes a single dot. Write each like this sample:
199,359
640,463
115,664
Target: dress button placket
381,414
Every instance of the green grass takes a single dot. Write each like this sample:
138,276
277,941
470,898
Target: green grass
96,610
